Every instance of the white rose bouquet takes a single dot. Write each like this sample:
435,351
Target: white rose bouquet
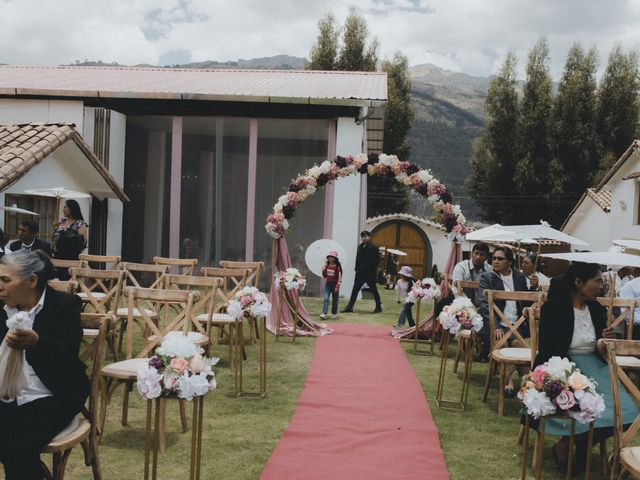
251,303
177,367
291,279
461,314
426,288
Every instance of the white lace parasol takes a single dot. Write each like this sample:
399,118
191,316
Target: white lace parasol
316,255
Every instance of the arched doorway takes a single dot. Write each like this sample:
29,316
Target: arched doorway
405,236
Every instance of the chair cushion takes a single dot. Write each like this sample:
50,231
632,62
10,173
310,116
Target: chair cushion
125,368
96,295
217,318
515,354
628,361
630,457
90,332
195,337
464,334
124,311
72,434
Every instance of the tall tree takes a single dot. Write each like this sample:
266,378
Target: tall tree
618,107
325,52
355,54
495,152
532,170
386,195
577,150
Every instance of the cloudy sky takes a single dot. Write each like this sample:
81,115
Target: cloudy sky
470,36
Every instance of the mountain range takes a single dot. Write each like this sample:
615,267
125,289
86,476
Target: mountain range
449,112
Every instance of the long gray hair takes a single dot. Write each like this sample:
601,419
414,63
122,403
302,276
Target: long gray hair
27,263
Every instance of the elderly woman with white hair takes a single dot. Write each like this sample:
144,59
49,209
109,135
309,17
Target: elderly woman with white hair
57,383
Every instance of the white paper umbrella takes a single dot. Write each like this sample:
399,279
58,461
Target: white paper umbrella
58,193
17,210
628,244
613,257
396,252
316,254
544,231
495,232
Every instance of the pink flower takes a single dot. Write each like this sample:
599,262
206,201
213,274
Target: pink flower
539,374
565,400
178,364
196,364
245,300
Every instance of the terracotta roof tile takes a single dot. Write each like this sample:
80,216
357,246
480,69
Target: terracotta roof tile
24,146
602,198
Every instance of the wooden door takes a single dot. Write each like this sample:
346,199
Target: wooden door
409,238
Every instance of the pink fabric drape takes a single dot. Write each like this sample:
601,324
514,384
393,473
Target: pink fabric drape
455,256
307,325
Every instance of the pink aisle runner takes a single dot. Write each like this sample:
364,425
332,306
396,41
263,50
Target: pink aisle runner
362,415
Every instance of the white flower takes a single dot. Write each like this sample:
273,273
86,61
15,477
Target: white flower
285,224
537,403
559,367
461,219
310,189
277,208
360,159
433,198
477,322
272,230
200,384
314,171
325,166
186,389
425,176
401,177
213,384
149,382
384,159
283,200
178,346
456,210
261,309
235,309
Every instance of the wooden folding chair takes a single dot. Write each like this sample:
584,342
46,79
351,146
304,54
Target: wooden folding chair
60,264
502,355
233,280
101,262
99,289
253,278
64,286
627,310
125,371
625,458
83,430
186,265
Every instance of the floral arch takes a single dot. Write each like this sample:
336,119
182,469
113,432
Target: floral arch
381,165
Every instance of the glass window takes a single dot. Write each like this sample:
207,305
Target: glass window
287,148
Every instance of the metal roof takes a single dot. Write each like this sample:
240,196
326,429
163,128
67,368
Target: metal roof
266,86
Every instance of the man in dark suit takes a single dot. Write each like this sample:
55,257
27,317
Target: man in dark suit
27,232
366,268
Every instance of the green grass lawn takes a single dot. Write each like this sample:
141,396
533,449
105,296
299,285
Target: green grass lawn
240,434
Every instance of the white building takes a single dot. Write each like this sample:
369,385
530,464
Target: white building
204,154
611,210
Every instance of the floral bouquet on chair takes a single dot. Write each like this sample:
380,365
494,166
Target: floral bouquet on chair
177,367
557,386
249,302
461,314
425,288
291,279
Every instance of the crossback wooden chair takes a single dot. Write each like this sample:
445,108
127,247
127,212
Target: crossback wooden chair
101,262
465,337
99,289
83,430
253,278
125,371
503,356
64,286
233,281
60,264
203,308
625,458
186,265
627,309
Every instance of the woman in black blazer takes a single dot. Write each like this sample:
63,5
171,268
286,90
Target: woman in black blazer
58,384
572,322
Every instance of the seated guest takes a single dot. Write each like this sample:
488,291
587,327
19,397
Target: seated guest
503,277
536,280
572,322
58,385
27,232
631,290
471,269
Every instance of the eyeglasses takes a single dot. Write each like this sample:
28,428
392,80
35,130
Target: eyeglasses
498,258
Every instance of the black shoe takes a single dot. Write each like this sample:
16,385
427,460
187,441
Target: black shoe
377,310
346,310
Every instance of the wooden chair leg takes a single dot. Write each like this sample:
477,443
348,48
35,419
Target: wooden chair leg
162,425
125,403
502,371
487,382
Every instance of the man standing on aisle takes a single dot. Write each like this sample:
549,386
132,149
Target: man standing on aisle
366,268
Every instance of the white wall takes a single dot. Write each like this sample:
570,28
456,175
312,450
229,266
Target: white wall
39,111
582,225
346,200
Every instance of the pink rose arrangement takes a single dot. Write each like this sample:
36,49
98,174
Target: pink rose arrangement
250,303
379,165
291,279
425,288
177,367
558,386
460,315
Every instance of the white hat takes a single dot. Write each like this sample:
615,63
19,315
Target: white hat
406,271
